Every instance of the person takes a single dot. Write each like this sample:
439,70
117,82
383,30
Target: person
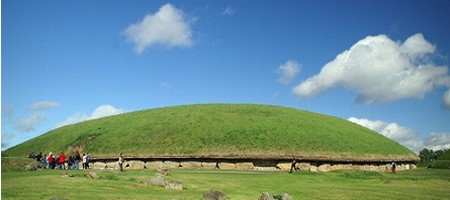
393,167
88,159
38,157
70,162
32,156
293,166
121,160
77,161
51,161
44,161
62,161
84,161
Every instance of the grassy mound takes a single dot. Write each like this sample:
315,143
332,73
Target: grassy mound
221,131
15,163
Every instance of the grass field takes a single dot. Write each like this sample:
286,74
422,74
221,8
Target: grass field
240,185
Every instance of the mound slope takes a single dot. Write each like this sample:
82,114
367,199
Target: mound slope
221,131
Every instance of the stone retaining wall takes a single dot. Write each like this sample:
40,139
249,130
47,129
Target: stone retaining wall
255,165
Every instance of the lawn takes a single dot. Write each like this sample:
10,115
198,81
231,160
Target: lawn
46,184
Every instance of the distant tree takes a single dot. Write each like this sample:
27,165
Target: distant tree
426,154
438,153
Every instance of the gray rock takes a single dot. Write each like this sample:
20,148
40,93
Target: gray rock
266,196
174,185
214,195
92,175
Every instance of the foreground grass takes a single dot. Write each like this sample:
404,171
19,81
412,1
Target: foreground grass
45,184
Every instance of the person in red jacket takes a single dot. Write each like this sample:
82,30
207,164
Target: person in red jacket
50,161
61,161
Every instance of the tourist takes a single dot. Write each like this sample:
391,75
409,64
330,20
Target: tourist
88,159
393,167
32,156
294,166
38,157
121,160
70,162
77,160
62,161
44,161
50,161
84,161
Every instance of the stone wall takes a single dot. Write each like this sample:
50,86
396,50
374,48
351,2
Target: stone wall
255,165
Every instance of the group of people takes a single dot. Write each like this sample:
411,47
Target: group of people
59,162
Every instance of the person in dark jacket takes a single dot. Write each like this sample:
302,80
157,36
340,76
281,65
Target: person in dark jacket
294,166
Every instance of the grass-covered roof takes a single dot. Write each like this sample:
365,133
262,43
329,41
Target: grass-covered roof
221,131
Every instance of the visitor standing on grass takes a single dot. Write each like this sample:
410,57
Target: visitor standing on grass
393,167
121,160
50,161
293,166
77,160
84,161
62,161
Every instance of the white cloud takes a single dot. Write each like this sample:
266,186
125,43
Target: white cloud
437,141
7,110
28,124
43,105
6,138
446,101
288,71
381,70
168,27
404,135
228,11
101,111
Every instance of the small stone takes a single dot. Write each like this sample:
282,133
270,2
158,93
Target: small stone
214,195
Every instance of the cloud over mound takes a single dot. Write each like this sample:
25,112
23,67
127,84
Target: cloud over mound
381,70
99,112
404,135
167,27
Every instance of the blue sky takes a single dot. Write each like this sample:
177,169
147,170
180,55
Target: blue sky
381,64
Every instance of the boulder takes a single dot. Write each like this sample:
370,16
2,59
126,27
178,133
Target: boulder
313,168
284,196
209,165
66,175
226,165
30,167
135,164
173,185
112,165
266,196
162,172
159,180
191,165
324,168
171,164
303,165
258,168
284,166
214,195
154,164
92,175
99,165
244,166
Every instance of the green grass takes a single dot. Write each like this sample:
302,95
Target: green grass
15,164
412,184
220,130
